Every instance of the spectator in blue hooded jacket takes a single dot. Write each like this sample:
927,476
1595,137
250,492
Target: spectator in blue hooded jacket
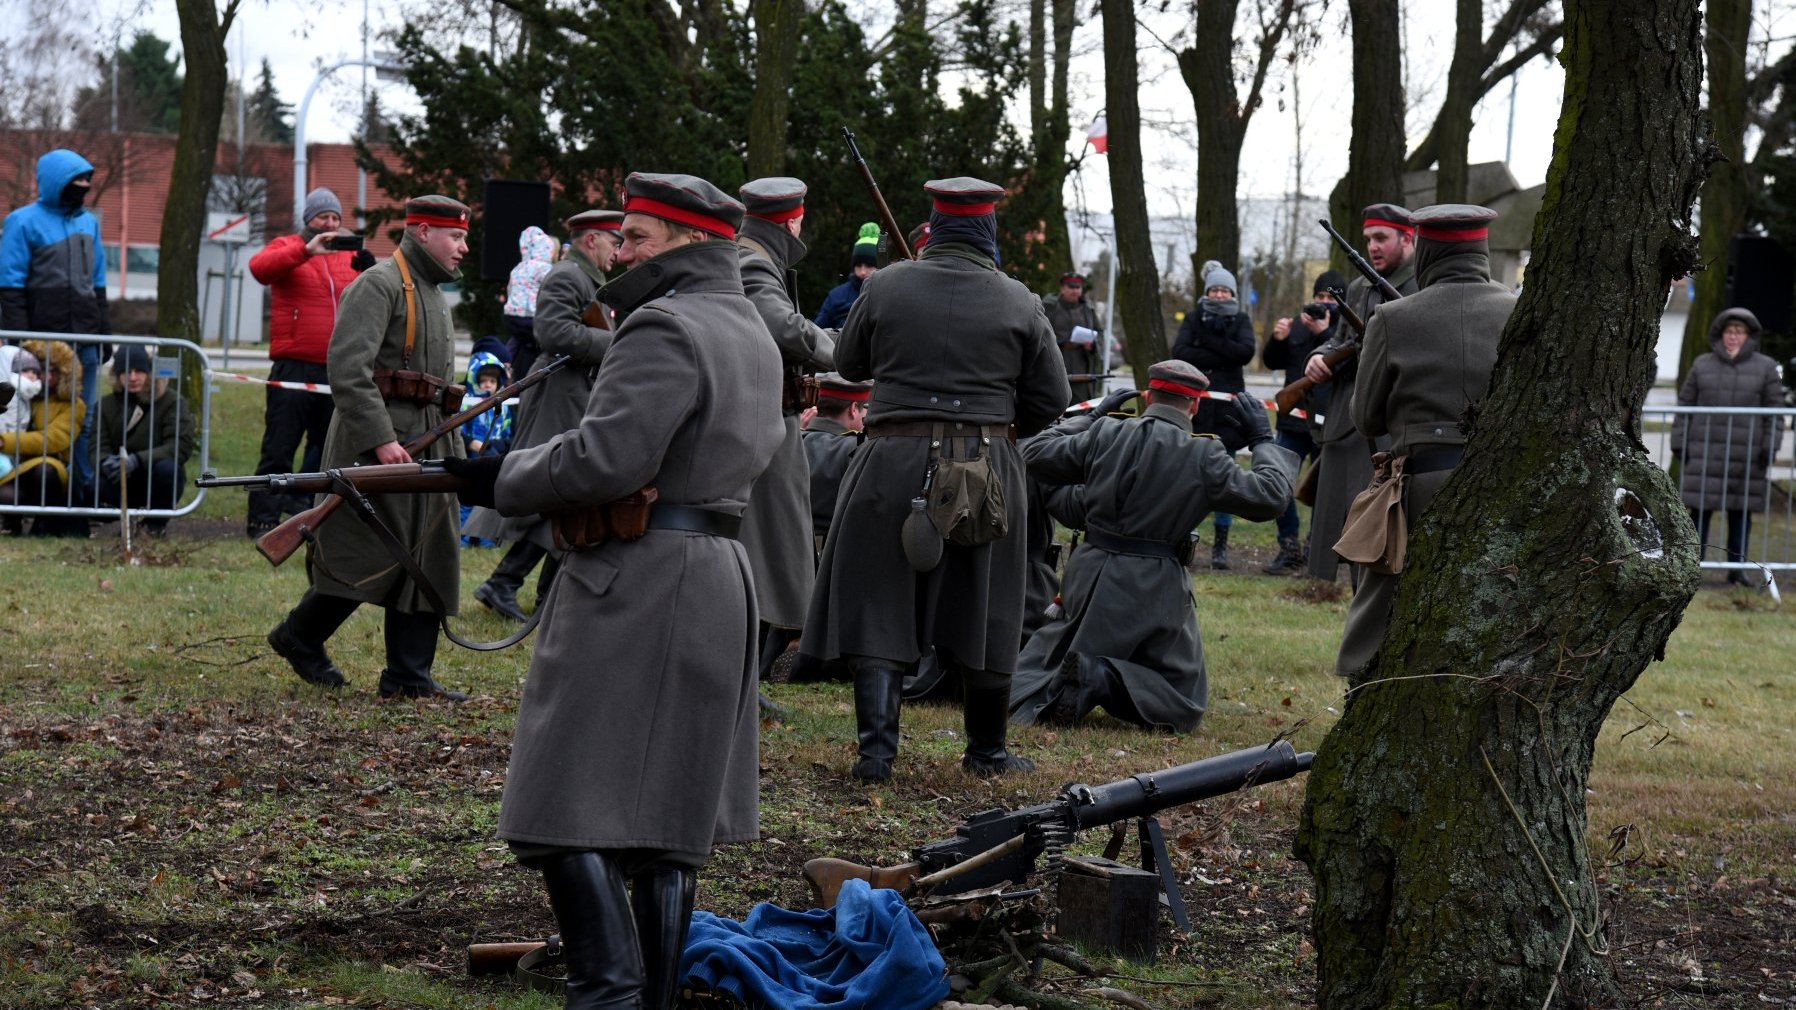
861,264
53,274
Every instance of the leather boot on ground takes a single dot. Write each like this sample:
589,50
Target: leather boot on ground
661,903
1219,550
598,935
877,694
1290,558
502,599
987,714
311,663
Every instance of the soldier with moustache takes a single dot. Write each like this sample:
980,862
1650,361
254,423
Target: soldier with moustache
557,403
1344,453
637,739
391,365
776,530
958,352
1427,356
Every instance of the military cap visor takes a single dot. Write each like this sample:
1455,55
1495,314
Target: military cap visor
603,220
438,212
1454,222
1389,215
778,198
834,387
1180,378
684,200
963,196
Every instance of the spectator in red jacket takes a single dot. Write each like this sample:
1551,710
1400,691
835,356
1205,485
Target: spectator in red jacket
307,278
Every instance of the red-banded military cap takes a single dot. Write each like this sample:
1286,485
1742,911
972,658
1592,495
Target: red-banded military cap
1389,215
1072,277
1454,222
438,212
602,220
831,386
963,196
684,200
918,237
778,198
1180,378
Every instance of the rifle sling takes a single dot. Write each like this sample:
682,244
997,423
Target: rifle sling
411,306
526,973
364,510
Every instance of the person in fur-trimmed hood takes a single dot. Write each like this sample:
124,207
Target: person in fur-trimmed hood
42,452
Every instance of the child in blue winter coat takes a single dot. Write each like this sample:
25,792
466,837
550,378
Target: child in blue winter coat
488,434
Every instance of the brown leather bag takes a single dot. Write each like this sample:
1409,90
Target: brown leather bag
1376,533
586,527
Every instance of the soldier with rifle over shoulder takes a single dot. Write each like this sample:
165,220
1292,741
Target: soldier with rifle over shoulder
391,359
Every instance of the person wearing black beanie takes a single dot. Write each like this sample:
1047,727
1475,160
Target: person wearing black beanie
1293,339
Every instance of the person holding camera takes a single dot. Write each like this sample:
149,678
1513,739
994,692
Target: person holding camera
307,274
1293,340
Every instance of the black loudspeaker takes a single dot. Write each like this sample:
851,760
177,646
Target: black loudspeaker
1762,280
510,207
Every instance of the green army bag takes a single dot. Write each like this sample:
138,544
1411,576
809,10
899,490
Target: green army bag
967,498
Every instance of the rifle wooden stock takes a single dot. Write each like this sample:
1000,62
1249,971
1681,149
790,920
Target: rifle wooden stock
1289,397
826,876
886,218
278,544
499,958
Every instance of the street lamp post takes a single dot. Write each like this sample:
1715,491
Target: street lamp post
382,69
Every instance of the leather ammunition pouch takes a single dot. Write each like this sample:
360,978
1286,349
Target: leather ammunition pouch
421,388
798,390
629,517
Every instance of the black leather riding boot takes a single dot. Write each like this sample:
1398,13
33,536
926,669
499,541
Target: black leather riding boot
598,935
411,641
661,901
987,713
877,694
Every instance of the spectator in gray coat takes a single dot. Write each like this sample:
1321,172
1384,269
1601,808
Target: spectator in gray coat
1726,457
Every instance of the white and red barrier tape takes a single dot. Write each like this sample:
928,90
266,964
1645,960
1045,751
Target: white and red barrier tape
310,387
1270,404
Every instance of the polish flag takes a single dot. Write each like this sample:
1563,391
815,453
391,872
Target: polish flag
1099,135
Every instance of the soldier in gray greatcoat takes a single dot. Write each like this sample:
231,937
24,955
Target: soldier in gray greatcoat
1127,638
830,441
391,365
1344,456
558,402
776,531
637,733
958,352
1077,329
1426,357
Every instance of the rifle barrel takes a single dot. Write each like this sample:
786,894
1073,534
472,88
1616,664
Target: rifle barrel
886,217
1384,287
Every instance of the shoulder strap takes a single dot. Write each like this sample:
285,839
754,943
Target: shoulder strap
411,307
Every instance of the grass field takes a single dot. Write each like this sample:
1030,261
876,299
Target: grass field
183,822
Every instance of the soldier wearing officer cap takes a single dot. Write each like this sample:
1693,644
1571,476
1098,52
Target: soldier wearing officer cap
830,441
958,352
776,530
391,365
557,403
1127,638
1427,356
637,746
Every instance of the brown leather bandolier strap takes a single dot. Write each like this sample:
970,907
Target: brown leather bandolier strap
928,429
411,308
420,388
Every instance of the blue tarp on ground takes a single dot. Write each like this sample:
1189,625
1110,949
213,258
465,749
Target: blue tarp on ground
868,951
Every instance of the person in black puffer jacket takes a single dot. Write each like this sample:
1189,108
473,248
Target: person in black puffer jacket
1294,339
1218,338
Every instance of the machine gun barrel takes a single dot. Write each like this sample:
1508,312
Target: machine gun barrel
1151,792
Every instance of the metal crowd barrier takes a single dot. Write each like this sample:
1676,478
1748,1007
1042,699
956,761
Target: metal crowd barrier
176,365
1771,542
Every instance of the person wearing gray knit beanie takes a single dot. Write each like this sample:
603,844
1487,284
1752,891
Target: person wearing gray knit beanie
321,201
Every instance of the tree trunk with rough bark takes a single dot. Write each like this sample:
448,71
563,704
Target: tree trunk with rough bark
1375,152
203,33
1724,196
778,25
1453,126
1138,277
1445,816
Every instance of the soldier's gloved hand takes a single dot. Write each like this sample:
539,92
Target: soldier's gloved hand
362,260
481,474
1113,403
1248,415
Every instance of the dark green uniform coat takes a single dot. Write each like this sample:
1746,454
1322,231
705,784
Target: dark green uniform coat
1079,359
776,530
945,338
638,726
1426,357
1342,455
350,560
1148,479
558,403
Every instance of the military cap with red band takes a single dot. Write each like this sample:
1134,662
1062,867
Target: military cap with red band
438,212
601,220
963,196
833,387
1452,223
685,200
1389,215
777,198
1180,378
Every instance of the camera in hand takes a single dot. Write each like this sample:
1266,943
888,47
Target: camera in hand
1316,310
344,243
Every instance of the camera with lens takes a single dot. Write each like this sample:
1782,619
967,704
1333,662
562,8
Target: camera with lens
344,243
1316,310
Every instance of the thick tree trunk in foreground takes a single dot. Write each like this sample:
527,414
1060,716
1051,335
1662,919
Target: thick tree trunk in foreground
184,216
1138,277
1375,152
1724,194
778,25
1445,816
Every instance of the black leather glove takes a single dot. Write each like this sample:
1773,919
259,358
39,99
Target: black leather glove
362,260
481,475
1248,416
1112,403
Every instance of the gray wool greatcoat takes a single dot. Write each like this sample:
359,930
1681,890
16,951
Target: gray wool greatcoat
1725,459
1149,479
1426,357
350,560
946,337
1343,460
638,726
1079,359
828,448
558,403
776,529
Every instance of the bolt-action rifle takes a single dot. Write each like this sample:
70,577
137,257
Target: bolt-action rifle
1289,397
998,846
885,213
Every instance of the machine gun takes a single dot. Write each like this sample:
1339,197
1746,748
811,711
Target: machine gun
1000,846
